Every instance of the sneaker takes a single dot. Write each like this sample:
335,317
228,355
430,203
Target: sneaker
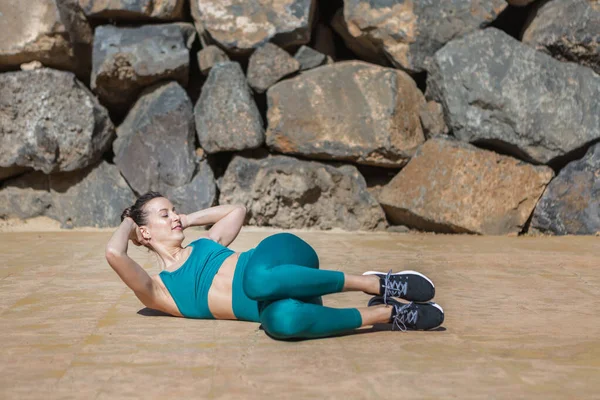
414,316
408,285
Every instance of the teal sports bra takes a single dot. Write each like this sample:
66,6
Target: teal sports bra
189,284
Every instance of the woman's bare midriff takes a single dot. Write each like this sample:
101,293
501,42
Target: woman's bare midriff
219,295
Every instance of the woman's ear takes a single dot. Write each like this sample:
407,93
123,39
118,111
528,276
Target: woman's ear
145,232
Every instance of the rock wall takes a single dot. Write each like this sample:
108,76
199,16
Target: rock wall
462,116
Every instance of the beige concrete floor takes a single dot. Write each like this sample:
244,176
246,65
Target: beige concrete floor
521,322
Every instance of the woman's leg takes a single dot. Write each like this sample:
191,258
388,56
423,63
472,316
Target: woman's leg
293,319
285,266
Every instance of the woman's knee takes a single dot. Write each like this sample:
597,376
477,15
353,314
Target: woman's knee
284,319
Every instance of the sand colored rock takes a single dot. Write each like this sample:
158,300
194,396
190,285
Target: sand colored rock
32,30
240,26
450,186
408,33
351,111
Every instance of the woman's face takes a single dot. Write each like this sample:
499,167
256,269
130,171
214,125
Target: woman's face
163,223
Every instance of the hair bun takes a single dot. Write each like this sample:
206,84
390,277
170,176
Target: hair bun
126,213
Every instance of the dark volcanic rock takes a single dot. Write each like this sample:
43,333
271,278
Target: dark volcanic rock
267,65
125,60
501,93
94,196
240,26
133,9
453,187
285,192
200,193
25,196
347,111
408,33
155,145
51,122
227,118
81,36
309,58
571,203
569,30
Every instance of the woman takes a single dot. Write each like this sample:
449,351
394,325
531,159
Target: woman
278,283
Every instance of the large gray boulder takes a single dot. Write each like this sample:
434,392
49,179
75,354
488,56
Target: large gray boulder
93,196
240,26
267,65
568,30
126,60
25,196
196,195
227,118
501,93
351,111
287,193
154,149
51,122
33,30
133,10
571,202
407,33
453,187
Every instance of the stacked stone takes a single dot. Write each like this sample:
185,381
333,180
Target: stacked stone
375,115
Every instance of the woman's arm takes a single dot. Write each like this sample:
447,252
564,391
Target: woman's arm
128,270
227,219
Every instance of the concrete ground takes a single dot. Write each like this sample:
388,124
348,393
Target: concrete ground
521,322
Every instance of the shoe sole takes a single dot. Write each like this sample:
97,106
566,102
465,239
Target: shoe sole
408,272
436,305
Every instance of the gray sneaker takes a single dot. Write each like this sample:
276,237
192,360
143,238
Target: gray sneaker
408,285
414,316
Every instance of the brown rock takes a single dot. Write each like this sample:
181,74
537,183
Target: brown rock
209,56
407,33
351,111
32,30
240,26
268,65
451,186
432,119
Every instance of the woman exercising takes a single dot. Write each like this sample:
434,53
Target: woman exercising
278,283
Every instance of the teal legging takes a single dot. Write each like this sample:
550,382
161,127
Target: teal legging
283,276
